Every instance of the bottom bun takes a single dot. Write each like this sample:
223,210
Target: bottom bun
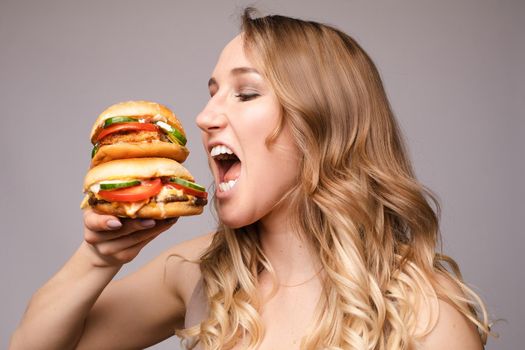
124,150
151,210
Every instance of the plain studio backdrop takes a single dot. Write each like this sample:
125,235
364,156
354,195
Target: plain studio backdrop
454,72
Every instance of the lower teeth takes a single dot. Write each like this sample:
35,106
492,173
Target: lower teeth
226,186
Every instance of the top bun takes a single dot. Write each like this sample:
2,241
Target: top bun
135,109
135,168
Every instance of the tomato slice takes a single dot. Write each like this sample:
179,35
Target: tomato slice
143,191
190,191
128,126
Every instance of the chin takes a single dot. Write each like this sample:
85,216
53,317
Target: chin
233,223
234,220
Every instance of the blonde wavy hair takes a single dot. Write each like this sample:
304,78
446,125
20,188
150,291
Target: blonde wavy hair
357,200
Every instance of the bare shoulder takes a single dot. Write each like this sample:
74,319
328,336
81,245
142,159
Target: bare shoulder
191,249
182,270
452,329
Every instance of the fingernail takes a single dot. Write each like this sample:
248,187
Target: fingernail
147,223
114,224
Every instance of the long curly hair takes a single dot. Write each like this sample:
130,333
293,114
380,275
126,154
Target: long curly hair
357,200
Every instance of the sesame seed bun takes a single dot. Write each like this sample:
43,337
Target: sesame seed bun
125,150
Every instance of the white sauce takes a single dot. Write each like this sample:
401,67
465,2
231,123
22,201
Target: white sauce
95,188
165,126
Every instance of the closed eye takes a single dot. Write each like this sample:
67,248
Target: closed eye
246,97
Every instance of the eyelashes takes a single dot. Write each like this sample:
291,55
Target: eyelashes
243,97
241,94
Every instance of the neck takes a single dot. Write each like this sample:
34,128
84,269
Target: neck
290,254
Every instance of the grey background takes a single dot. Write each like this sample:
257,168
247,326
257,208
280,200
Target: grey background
454,72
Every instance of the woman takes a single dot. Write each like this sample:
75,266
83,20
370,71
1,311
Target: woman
326,239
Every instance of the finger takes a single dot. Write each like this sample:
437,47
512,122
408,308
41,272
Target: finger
169,221
128,226
164,225
142,244
133,225
117,245
130,253
100,222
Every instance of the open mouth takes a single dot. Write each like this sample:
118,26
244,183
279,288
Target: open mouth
229,166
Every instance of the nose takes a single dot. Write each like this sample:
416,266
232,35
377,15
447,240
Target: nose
212,118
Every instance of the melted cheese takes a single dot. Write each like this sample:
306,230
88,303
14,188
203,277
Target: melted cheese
85,203
159,117
160,205
168,192
131,208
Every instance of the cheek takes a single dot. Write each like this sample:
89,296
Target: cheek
286,160
269,174
273,170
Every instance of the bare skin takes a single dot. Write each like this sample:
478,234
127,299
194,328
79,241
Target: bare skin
81,307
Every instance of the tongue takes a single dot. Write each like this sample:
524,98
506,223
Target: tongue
233,172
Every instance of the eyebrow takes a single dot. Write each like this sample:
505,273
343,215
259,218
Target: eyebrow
235,71
243,70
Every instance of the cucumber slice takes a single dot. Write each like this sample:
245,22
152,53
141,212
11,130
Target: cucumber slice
95,150
181,139
173,139
113,185
173,134
187,183
115,120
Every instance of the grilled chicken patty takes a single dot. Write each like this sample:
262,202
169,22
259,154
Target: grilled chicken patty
133,136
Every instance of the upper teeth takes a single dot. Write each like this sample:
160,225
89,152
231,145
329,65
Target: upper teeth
220,149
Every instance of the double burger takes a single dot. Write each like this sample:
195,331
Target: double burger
135,164
137,129
155,188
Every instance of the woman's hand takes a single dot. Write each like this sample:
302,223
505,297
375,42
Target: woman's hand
115,241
